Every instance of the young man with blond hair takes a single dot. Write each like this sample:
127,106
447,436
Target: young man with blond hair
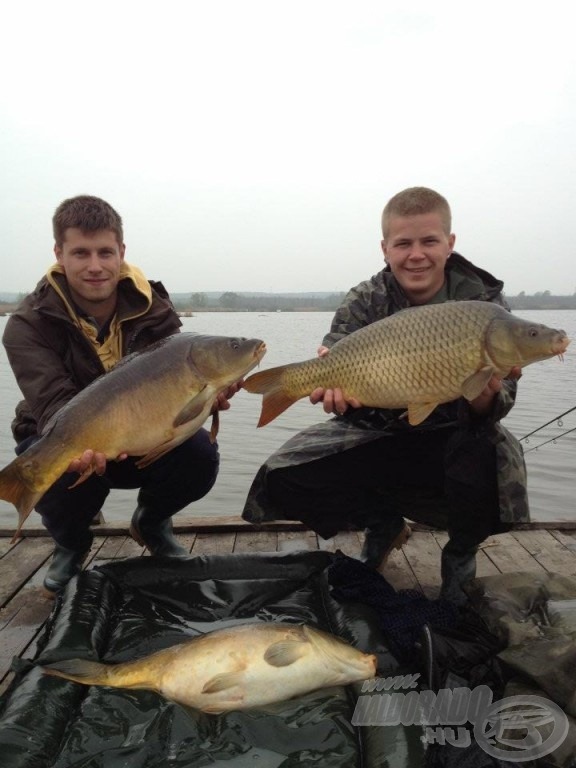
369,469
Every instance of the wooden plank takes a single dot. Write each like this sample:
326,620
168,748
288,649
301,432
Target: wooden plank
186,540
565,538
209,544
397,571
215,524
21,622
423,554
484,566
110,549
348,542
19,565
5,546
296,541
233,523
510,556
263,541
548,551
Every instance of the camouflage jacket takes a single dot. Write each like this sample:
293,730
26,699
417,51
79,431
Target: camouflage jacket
375,299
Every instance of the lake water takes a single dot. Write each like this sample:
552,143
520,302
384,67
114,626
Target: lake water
547,389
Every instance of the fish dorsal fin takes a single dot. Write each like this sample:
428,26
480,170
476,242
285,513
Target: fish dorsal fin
192,409
284,653
474,384
417,412
223,682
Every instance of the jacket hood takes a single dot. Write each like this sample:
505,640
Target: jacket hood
464,280
132,281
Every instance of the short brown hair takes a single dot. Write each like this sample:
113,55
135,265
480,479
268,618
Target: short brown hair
413,201
88,214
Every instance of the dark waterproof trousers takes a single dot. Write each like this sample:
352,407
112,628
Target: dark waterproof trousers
170,483
444,477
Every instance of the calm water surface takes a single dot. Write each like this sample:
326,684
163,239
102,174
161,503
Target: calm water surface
547,389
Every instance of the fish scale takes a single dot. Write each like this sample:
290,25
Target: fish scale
417,358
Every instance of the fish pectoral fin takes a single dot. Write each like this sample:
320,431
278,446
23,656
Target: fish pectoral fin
215,427
223,682
222,706
286,652
84,476
193,409
155,453
474,384
417,412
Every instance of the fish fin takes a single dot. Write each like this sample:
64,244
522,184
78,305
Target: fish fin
222,706
12,489
417,412
286,652
275,400
215,426
156,453
79,671
474,384
191,410
84,476
273,405
223,682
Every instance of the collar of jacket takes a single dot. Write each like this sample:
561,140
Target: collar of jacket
464,280
134,292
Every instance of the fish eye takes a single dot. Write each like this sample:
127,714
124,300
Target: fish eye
533,332
234,344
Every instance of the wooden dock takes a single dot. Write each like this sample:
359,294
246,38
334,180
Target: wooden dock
24,609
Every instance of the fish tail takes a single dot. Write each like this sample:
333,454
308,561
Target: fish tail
276,400
80,671
12,489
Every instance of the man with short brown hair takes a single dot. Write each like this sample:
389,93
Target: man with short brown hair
91,309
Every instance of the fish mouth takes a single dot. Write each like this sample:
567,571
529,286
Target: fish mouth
260,351
560,345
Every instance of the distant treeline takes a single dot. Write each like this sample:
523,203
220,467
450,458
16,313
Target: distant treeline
231,301
327,302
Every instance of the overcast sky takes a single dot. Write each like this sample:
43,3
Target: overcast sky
251,144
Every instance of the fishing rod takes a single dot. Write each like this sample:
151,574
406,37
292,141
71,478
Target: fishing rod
557,419
551,440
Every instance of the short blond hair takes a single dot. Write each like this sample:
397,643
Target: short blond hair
414,201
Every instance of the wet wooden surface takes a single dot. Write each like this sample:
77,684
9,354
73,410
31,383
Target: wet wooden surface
24,609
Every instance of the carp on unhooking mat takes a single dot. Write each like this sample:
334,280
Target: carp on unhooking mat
415,359
149,403
251,665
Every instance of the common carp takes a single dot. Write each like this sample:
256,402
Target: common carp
251,665
149,403
415,359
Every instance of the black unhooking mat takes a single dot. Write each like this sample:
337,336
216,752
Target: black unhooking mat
126,610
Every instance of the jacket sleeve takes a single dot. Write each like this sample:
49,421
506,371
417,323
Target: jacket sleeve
354,313
40,370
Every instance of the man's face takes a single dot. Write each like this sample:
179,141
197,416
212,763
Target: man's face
417,249
92,264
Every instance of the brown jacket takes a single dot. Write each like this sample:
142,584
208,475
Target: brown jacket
52,359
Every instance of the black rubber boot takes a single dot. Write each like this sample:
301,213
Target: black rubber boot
381,538
458,565
154,534
66,563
